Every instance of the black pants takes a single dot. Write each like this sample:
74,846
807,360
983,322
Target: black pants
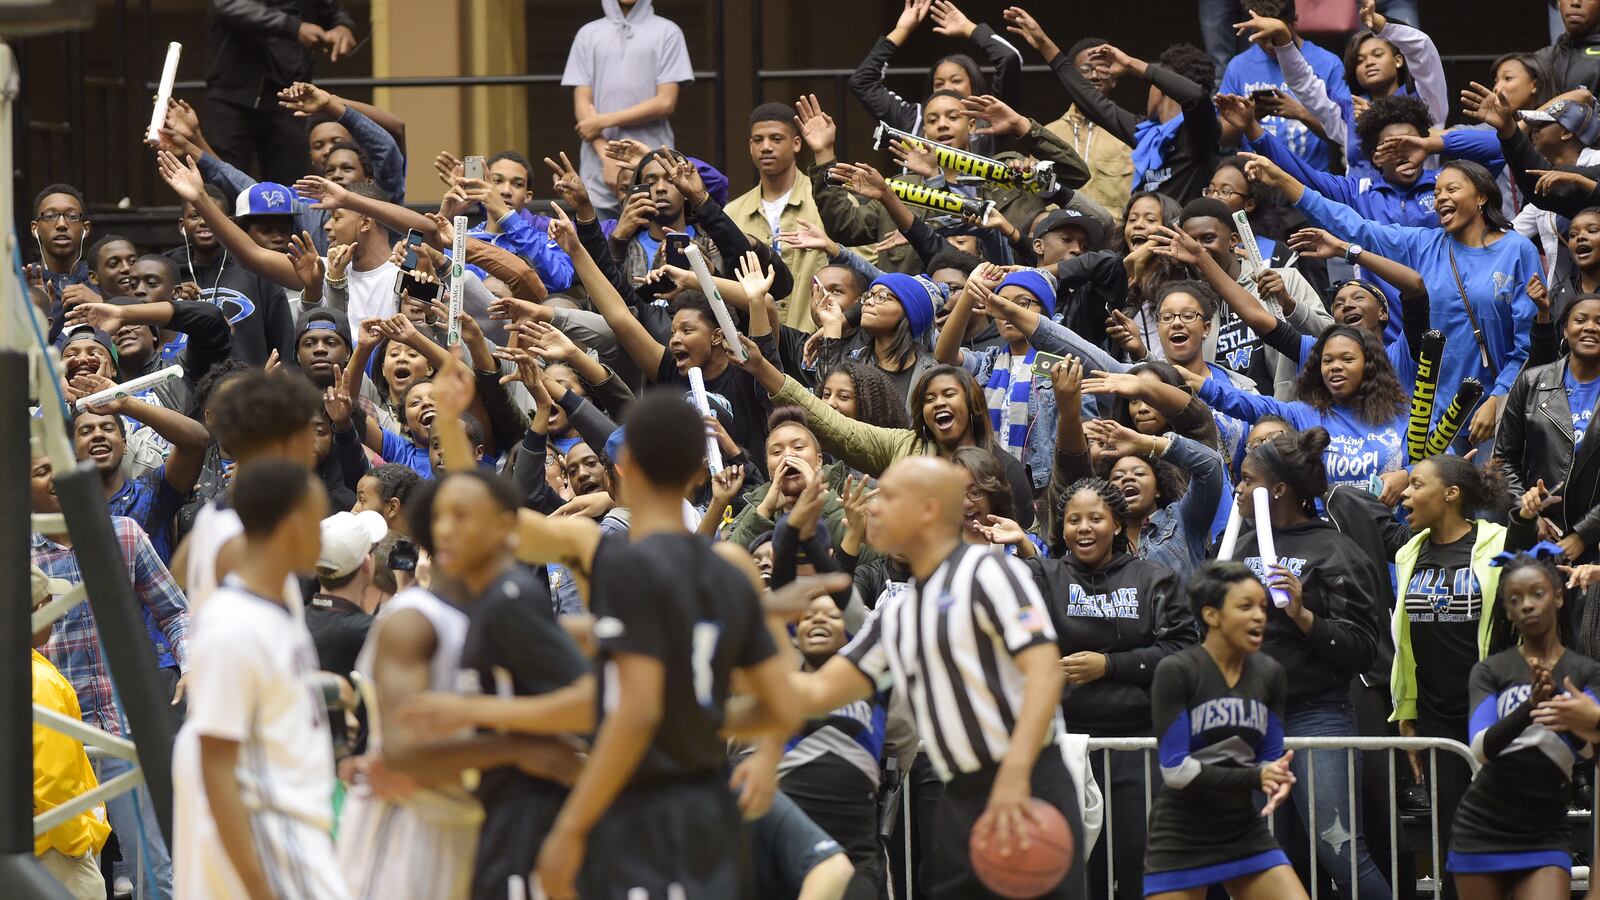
1130,772
1448,775
266,133
849,815
965,797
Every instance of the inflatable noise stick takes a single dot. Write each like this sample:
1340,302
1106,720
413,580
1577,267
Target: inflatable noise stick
1230,534
1429,353
1455,415
941,201
964,162
169,76
129,388
708,286
697,387
1247,236
1269,553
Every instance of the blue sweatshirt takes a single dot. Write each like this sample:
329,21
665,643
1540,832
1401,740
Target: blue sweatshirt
1357,450
1375,197
1496,280
522,233
1257,70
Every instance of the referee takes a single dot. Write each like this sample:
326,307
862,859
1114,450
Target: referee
972,645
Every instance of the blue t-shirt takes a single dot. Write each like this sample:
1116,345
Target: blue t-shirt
1581,399
1256,70
1357,450
401,449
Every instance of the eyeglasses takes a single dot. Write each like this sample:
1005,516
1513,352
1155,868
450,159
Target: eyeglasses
46,218
1222,193
1090,68
974,493
878,296
1187,317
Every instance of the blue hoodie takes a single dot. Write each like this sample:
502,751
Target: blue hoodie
1496,280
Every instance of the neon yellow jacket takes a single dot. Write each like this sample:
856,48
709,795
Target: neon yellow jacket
1490,540
61,769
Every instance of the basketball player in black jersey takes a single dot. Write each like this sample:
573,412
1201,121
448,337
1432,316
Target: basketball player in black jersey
673,622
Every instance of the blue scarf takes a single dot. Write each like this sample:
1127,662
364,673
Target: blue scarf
1150,147
1008,401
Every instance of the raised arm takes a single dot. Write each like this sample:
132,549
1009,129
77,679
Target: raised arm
867,80
184,179
645,350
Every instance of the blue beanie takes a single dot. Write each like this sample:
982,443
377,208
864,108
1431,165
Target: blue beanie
919,296
1036,283
614,445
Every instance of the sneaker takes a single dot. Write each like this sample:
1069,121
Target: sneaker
121,886
1412,799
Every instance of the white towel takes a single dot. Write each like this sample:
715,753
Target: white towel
1091,805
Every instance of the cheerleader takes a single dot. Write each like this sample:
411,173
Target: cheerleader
1511,836
1209,702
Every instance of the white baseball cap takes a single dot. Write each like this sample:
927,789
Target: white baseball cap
347,540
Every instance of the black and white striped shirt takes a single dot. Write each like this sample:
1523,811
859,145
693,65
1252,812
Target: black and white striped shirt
949,644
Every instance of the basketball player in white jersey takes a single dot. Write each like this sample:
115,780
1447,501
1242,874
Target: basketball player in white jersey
254,415
252,768
420,845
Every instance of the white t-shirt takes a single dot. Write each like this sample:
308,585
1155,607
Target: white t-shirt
372,294
253,662
773,210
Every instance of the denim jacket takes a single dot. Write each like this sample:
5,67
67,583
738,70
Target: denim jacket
1039,450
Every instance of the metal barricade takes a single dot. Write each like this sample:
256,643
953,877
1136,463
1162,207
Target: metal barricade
1352,745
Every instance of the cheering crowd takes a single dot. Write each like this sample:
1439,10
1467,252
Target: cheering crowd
680,541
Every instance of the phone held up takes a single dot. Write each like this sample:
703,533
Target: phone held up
407,282
472,167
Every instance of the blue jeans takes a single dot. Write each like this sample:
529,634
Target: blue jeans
1216,27
1337,824
127,821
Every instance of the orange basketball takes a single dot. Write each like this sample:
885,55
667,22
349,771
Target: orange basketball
1032,871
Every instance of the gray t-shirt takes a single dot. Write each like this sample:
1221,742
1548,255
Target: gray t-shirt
624,59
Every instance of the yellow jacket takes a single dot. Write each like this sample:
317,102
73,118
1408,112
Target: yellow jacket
61,769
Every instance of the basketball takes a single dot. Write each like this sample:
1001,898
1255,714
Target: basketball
1032,871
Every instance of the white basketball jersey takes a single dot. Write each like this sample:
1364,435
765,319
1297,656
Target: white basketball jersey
423,847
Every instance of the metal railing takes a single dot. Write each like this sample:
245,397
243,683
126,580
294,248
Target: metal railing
1350,746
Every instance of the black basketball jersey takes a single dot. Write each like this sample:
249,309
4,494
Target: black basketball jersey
668,596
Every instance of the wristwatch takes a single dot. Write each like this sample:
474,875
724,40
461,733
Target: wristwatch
1351,252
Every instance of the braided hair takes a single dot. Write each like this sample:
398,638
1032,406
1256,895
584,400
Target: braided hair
1114,501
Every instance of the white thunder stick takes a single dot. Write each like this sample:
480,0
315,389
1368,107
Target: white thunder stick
697,387
1269,553
1241,223
458,281
129,388
1230,534
169,74
730,331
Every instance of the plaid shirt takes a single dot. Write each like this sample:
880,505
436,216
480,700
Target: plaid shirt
74,645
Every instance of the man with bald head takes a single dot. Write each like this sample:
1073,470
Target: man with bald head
971,644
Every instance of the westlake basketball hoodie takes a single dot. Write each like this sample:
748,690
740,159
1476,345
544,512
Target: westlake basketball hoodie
1132,610
1340,586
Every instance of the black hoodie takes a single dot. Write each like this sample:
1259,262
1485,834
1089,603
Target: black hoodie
256,307
1340,586
1132,610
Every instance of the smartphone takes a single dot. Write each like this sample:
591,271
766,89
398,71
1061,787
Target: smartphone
672,247
408,283
472,167
1266,95
640,188
1043,363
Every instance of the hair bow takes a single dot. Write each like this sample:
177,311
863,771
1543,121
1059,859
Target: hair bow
1541,550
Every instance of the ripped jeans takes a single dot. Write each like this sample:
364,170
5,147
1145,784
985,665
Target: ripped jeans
1337,823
